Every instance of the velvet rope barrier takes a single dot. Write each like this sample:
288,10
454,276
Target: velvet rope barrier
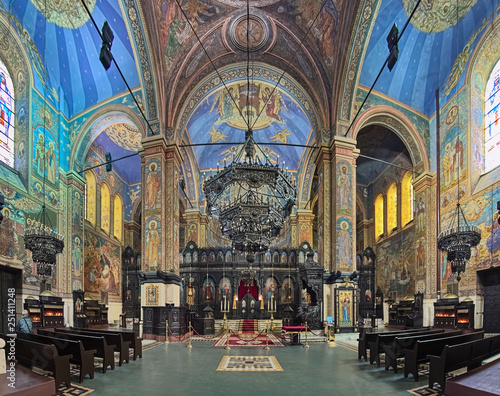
321,332
206,338
246,340
173,335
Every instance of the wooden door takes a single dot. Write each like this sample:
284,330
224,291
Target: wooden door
7,300
491,311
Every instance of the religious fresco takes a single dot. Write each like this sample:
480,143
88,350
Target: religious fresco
45,157
344,188
153,185
7,111
344,244
105,208
218,119
208,289
270,290
420,215
395,270
225,290
152,246
287,292
102,265
77,255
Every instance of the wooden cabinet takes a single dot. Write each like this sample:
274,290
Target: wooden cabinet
32,305
104,313
92,312
51,310
449,313
444,315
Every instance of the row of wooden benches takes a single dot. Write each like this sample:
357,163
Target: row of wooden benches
445,350
54,350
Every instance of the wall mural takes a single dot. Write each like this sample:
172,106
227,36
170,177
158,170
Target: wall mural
152,255
395,271
153,184
45,155
344,244
344,188
102,265
218,119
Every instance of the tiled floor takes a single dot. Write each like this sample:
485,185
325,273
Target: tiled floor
322,369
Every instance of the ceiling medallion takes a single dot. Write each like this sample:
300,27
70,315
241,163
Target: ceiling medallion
257,31
69,14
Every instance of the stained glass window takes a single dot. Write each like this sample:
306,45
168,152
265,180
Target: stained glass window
492,120
105,208
392,207
118,217
406,199
379,216
6,117
90,197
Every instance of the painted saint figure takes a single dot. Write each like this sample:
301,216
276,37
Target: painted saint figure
344,183
152,246
152,186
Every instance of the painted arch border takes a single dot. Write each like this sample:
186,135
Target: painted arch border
89,131
399,124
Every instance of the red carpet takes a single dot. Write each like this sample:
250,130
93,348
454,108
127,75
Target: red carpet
248,326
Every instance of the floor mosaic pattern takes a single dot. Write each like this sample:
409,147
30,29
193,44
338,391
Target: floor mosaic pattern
249,363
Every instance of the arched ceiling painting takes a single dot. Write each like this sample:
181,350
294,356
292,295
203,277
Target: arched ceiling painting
432,45
63,46
217,119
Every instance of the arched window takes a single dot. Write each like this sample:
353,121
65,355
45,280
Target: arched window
90,197
105,208
406,199
492,120
118,217
392,207
379,216
6,117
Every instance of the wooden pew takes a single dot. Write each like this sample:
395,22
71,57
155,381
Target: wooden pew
414,357
453,357
43,356
395,350
103,350
79,356
382,339
112,338
367,338
135,342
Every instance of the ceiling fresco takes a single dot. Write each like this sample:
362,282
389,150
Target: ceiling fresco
276,117
63,46
432,45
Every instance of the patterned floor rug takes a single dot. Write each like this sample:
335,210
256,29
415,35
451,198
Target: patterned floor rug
249,363
426,391
75,390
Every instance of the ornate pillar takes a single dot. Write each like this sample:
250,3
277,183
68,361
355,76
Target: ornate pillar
323,165
193,221
426,254
344,211
304,227
160,218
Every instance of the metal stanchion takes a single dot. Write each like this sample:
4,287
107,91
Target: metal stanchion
267,338
189,342
166,336
227,340
306,345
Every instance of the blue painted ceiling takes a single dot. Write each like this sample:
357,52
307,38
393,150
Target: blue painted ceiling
64,46
428,48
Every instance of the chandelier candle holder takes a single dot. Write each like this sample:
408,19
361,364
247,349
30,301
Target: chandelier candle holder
44,243
457,241
251,199
271,308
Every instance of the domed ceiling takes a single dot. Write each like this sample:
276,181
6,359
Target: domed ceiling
432,45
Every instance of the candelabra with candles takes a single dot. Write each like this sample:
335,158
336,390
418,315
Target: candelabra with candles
224,308
271,308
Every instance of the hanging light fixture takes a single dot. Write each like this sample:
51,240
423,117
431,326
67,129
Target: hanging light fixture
457,241
40,237
251,197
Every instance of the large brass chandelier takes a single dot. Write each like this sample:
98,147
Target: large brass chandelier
251,197
457,241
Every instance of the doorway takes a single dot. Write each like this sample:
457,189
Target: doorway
491,286
9,279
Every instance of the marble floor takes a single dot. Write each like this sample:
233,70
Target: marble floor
323,369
